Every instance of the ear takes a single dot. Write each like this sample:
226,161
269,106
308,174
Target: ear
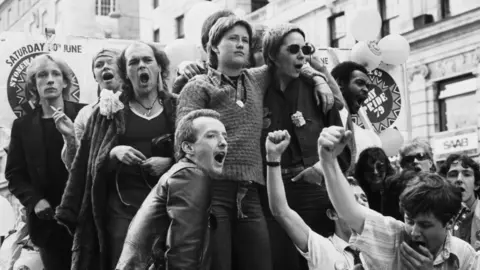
215,50
187,147
64,85
331,214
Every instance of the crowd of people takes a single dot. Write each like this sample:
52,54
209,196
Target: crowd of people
249,160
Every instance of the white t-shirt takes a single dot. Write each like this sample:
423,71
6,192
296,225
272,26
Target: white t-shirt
323,253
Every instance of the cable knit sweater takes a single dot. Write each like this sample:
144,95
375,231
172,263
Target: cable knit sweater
243,124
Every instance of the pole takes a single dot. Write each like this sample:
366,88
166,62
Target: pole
406,103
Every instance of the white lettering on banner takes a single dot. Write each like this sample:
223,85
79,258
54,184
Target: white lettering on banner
462,141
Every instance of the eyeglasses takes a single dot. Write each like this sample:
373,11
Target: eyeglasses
307,49
411,158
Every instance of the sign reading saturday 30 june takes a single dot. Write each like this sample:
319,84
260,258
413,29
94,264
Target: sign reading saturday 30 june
17,50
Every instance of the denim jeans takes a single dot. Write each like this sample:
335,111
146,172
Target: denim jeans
240,240
310,202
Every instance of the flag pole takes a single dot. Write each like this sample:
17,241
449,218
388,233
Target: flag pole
406,103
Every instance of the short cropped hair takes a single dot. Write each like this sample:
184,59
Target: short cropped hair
33,69
466,162
209,22
219,29
273,40
185,131
342,73
162,61
414,144
430,193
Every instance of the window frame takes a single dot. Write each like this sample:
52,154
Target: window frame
335,41
99,8
180,26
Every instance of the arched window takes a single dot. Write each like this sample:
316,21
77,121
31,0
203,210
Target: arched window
104,7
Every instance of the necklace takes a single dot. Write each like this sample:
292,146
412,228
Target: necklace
148,109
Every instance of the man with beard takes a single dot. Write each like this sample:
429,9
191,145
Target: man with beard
176,212
429,203
464,172
105,72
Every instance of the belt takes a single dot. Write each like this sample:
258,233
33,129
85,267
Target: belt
294,170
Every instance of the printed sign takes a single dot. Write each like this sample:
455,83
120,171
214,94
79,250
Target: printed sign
384,101
17,50
456,141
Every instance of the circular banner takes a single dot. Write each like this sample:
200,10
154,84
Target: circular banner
384,102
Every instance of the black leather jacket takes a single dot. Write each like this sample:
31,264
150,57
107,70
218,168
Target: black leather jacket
171,229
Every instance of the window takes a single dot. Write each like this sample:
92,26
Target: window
104,7
258,4
180,30
155,4
57,11
453,97
389,13
337,30
156,35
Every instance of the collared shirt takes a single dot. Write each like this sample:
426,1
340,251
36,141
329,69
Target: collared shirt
281,105
381,239
469,228
324,253
363,138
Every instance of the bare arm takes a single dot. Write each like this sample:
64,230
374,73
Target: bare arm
331,143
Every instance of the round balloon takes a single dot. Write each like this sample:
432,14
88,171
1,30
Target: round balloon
180,50
195,17
365,24
395,49
366,53
392,140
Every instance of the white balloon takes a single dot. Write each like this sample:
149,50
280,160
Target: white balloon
365,24
366,54
395,49
195,17
392,140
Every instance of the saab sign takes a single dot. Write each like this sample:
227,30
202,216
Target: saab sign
457,141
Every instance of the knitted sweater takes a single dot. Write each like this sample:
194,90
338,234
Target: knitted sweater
243,124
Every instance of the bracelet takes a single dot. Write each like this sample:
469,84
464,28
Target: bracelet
272,163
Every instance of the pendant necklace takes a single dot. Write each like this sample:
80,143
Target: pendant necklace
148,109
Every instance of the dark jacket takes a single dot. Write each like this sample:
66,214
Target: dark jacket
173,220
26,167
315,120
83,206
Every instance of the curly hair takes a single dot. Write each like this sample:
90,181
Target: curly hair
33,69
430,193
466,161
162,61
342,73
365,161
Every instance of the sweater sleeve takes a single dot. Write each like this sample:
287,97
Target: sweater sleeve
261,76
194,96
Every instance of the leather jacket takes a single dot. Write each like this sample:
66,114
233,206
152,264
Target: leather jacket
171,228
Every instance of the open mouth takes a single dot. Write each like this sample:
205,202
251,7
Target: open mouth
220,157
417,168
106,76
144,78
298,66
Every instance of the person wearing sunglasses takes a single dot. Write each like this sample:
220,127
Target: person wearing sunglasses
418,156
289,105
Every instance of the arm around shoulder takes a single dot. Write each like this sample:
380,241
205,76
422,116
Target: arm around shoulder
194,96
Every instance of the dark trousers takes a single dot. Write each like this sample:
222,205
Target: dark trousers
56,252
240,240
310,202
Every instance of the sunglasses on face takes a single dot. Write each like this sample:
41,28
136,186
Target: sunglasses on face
307,49
411,158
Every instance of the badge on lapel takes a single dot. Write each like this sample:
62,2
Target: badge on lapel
298,120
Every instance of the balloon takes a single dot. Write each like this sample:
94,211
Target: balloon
195,17
366,54
365,24
180,50
392,140
395,49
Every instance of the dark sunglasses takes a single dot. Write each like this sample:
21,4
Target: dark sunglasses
307,49
411,159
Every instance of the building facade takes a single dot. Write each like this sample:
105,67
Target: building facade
91,18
